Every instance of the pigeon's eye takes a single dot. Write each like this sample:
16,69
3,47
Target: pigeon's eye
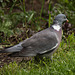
64,17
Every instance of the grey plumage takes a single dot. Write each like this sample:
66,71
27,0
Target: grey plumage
38,43
42,43
15,48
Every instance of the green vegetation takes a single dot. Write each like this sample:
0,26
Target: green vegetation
18,19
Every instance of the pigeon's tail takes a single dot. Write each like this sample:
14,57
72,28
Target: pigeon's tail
15,48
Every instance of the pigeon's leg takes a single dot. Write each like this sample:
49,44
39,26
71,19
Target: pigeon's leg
51,58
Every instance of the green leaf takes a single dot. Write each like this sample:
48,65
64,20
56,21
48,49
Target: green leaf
66,1
31,17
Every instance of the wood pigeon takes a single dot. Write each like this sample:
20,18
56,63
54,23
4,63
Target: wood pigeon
43,43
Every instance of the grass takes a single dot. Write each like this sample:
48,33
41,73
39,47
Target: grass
63,63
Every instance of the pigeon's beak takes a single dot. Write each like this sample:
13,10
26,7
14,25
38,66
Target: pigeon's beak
67,20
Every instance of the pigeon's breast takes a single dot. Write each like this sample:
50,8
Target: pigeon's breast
59,35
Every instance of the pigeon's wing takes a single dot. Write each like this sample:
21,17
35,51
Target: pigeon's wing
39,43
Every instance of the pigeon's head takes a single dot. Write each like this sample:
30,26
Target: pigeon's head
60,18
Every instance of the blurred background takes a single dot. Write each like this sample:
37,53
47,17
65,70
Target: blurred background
19,19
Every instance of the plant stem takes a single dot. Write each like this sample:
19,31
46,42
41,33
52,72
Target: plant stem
42,8
49,13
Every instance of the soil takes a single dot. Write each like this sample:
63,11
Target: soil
4,59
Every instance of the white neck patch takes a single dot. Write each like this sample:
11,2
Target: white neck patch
56,27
